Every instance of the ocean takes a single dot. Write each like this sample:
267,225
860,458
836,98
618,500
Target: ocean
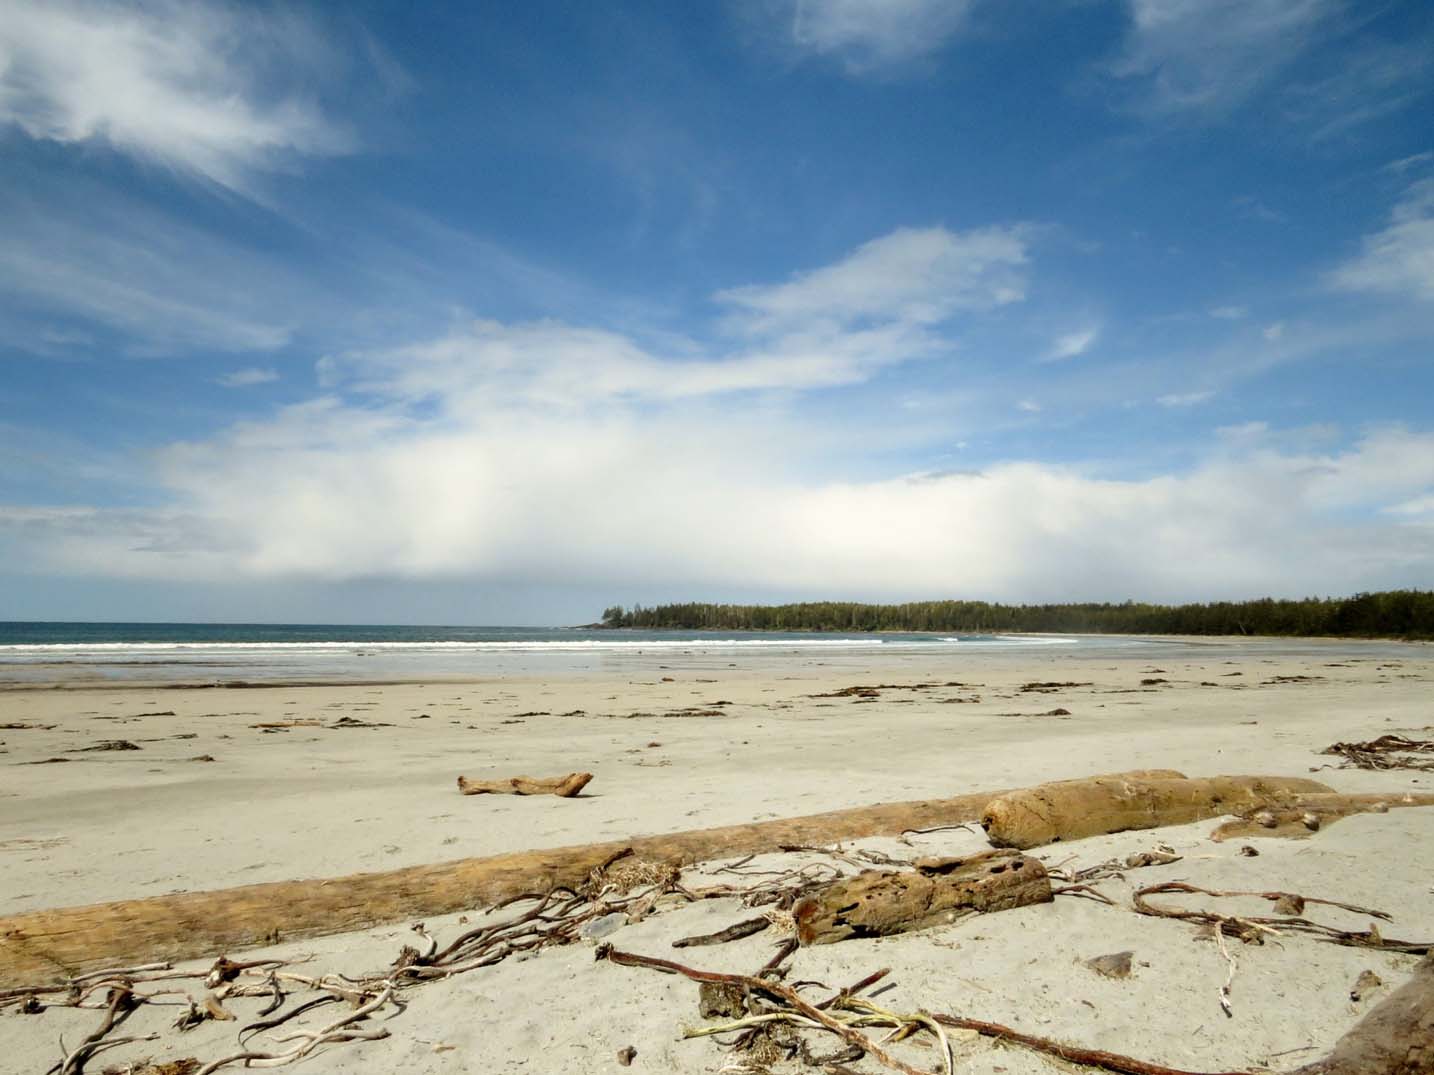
221,653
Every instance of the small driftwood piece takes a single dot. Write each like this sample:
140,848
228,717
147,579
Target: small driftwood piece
1289,908
1096,806
747,928
1304,815
564,787
1396,1038
936,893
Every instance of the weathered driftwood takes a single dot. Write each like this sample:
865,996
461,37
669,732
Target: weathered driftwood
936,893
1075,809
1304,815
564,787
51,944
1396,1038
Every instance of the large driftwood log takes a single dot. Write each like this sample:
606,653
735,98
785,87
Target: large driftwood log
564,787
53,944
1396,1038
936,893
1304,815
1074,809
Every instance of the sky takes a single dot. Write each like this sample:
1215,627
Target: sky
500,313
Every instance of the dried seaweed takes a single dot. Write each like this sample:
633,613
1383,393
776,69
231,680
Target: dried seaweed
1386,752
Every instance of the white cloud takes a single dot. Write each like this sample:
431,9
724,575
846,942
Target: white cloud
248,377
919,276
1398,260
868,35
836,325
1184,399
682,499
187,84
1421,507
1028,406
1209,55
1230,313
1072,344
1406,164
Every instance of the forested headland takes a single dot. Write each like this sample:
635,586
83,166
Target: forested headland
1389,614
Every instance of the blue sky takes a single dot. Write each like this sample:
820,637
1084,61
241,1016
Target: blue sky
393,313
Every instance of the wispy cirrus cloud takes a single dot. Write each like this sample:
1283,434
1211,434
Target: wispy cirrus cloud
1072,344
247,377
1184,399
202,87
916,275
1399,258
1210,55
883,304
162,286
869,36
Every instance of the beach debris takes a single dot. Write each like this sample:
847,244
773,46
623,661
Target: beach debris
184,1066
598,928
564,787
1047,688
626,1055
21,725
735,932
1301,816
285,725
1386,752
1249,852
188,925
1253,929
1365,986
846,1014
1225,1004
1112,965
1161,856
354,722
1394,1037
938,892
874,690
1142,799
107,744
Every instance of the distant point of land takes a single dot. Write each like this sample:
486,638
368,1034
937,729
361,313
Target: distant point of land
1406,614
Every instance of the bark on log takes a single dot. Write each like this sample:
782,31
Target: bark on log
1304,815
54,944
564,787
936,893
1074,809
1396,1038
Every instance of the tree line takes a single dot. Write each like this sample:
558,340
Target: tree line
1388,614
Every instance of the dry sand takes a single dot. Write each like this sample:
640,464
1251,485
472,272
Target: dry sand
318,800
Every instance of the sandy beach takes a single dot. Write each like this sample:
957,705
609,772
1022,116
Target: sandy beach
235,786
